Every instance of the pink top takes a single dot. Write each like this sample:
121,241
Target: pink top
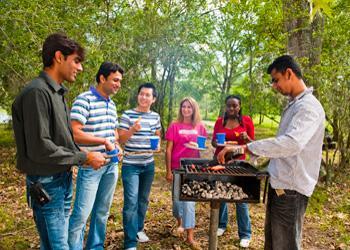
179,134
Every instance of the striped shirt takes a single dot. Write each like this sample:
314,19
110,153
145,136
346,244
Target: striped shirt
139,141
98,115
296,152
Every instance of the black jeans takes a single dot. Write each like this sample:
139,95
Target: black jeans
284,220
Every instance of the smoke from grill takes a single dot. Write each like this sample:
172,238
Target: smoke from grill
216,190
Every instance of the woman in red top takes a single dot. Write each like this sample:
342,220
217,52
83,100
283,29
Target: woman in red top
240,129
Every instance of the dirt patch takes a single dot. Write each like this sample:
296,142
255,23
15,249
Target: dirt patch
17,229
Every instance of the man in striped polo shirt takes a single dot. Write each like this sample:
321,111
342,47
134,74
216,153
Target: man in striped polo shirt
94,122
136,127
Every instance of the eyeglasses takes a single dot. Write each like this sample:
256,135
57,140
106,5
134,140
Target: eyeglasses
273,81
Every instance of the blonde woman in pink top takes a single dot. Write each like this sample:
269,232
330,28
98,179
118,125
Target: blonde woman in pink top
185,129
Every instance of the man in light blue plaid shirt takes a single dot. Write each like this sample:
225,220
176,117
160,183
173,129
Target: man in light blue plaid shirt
295,154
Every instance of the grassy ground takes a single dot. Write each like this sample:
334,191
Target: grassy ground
326,224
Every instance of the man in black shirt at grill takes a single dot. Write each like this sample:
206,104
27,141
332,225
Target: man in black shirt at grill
45,147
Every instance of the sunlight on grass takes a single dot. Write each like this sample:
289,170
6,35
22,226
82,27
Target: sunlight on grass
317,201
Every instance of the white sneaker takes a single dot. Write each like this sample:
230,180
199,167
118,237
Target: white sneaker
220,231
142,237
131,248
244,243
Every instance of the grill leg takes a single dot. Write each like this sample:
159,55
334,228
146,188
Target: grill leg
214,221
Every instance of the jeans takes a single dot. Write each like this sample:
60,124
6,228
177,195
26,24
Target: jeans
242,216
284,220
186,211
94,194
137,182
51,219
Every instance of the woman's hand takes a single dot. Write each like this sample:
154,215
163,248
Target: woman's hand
169,176
245,137
214,143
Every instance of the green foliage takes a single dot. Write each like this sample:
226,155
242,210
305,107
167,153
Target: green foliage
6,136
204,49
320,6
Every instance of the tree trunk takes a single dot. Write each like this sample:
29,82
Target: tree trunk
171,94
304,39
317,28
296,23
252,97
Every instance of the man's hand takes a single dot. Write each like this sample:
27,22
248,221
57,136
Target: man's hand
120,152
137,125
95,160
221,155
109,146
225,151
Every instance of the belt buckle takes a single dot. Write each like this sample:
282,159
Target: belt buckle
279,192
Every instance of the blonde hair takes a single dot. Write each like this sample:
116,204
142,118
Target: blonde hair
196,118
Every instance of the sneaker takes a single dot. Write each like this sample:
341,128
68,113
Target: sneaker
220,231
142,237
244,243
131,248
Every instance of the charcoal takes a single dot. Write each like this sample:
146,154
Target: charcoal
216,190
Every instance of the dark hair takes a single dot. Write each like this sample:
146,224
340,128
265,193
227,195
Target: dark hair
107,68
148,85
240,120
282,63
60,42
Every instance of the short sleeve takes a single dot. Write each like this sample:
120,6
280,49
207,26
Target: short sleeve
124,122
169,135
158,124
248,123
116,120
80,110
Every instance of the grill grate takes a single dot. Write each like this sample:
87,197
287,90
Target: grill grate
234,170
240,173
238,182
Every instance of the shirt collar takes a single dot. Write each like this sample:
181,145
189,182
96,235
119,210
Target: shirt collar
98,95
60,88
301,95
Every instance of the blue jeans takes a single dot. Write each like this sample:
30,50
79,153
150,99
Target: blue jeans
94,194
137,182
186,211
242,217
284,220
51,219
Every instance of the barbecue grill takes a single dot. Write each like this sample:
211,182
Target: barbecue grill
238,173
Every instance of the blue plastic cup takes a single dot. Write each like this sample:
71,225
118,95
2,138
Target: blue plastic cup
201,141
154,140
220,138
114,152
